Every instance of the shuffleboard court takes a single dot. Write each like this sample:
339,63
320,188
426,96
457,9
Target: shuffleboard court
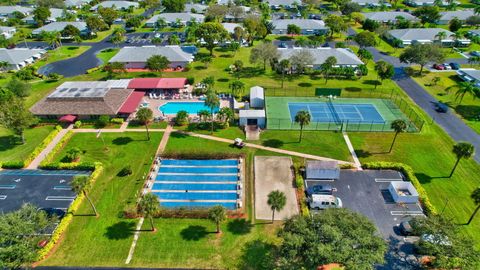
174,204
190,170
196,178
182,186
195,162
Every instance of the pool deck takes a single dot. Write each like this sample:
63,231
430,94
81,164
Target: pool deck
154,104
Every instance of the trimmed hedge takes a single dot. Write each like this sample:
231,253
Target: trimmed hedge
42,253
408,172
42,145
82,166
201,155
12,165
49,158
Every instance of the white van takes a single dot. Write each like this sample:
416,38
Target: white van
318,201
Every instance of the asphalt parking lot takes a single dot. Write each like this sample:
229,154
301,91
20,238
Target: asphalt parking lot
45,189
366,192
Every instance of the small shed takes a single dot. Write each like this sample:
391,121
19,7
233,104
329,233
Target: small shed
257,97
252,118
322,170
403,192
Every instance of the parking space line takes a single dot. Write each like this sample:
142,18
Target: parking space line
3,197
59,198
62,188
406,213
7,186
387,179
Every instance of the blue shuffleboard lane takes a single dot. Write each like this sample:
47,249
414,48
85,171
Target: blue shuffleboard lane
175,186
198,170
197,178
192,162
196,196
231,206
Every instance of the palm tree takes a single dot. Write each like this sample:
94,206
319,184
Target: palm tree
398,126
462,150
144,116
284,65
237,87
212,101
77,39
465,88
217,214
225,114
473,60
79,185
276,201
476,200
204,115
52,38
476,10
173,40
148,206
441,36
303,119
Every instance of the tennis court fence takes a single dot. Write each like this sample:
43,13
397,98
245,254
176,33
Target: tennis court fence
395,103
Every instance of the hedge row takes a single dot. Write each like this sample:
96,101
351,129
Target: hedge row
42,145
300,185
82,166
201,155
408,172
42,253
49,158
12,164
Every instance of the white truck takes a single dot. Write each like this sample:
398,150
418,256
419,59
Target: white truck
319,201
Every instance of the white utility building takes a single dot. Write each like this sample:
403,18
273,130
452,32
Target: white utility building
252,118
257,97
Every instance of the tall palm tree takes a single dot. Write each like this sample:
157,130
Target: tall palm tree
284,66
148,206
398,126
173,40
212,101
441,36
303,119
52,38
462,150
464,88
204,115
79,185
217,214
476,200
145,116
226,114
276,201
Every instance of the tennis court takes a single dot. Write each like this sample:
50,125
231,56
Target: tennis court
340,114
198,183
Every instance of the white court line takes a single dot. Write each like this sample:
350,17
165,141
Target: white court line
62,188
387,179
59,198
406,213
3,197
7,187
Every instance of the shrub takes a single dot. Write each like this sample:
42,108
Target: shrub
127,170
92,70
72,155
191,80
77,124
13,165
57,148
181,118
117,121
53,77
102,121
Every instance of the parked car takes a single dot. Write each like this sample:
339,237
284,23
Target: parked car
282,45
318,201
405,228
128,41
146,35
447,66
438,67
475,53
320,189
455,66
441,107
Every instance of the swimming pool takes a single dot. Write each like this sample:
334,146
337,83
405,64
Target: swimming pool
189,106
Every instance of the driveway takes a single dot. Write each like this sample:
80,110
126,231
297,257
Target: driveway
274,173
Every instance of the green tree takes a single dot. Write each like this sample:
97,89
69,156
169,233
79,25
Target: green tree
114,67
455,24
476,200
350,7
213,102
144,116
148,206
161,23
384,70
464,88
109,15
216,12
365,55
398,126
73,154
301,60
234,47
328,66
284,66
181,118
462,150
134,22
209,82
293,29
79,185
254,27
19,88
335,23
237,87
15,116
347,238
70,31
422,54
427,14
157,63
96,24
264,53
211,33
206,60
225,114
366,39
173,40
52,38
303,119
41,15
174,5
237,68
204,115
217,215
118,36
276,201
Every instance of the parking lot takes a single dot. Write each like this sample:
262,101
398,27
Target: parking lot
366,192
45,189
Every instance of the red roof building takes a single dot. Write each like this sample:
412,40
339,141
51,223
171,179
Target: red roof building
130,105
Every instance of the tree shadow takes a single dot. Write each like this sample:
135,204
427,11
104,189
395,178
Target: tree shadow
120,230
148,75
239,226
223,80
194,233
71,48
353,89
275,143
9,142
122,140
371,82
251,72
178,135
200,67
257,254
363,153
305,84
226,55
469,112
424,178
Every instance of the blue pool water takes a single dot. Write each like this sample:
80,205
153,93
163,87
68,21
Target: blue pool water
337,112
231,206
189,107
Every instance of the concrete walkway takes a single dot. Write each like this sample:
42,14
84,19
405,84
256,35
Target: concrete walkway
36,162
352,151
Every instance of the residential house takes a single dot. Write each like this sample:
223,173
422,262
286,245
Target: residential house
18,58
470,75
287,4
175,19
55,14
59,26
473,33
419,3
76,3
239,16
118,5
307,26
9,11
230,27
7,32
195,8
372,3
389,16
405,37
136,57
462,15
345,57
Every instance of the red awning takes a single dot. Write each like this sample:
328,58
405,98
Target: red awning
172,83
144,83
131,104
67,118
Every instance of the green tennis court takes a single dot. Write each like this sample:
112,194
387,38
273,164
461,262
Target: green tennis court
348,114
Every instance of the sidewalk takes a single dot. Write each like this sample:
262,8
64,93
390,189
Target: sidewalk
36,162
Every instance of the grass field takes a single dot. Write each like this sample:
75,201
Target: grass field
106,54
12,150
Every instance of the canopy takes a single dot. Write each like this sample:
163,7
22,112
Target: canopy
67,118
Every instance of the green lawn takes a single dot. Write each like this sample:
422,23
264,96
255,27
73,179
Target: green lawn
106,54
11,148
232,132
468,109
61,53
